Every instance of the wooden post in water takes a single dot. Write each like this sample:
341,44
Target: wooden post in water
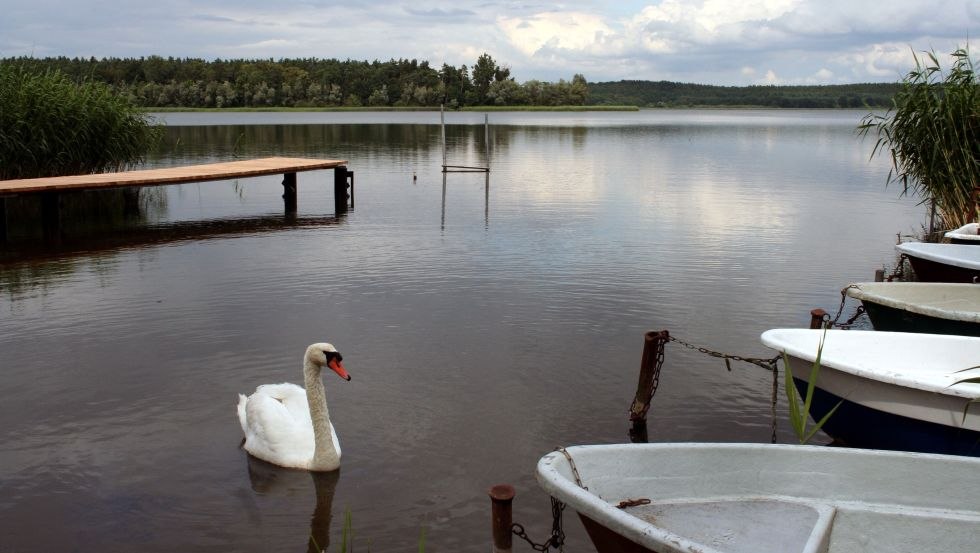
341,187
653,346
51,213
289,192
501,498
442,125
816,318
486,138
3,219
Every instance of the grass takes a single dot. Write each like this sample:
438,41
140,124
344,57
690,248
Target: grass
347,537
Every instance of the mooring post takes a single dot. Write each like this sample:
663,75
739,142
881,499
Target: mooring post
501,498
442,126
340,188
653,347
879,275
816,318
3,219
51,213
289,192
486,138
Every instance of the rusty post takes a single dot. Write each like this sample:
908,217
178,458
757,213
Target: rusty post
816,318
653,343
880,275
501,497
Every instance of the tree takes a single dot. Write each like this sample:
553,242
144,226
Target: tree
933,137
484,73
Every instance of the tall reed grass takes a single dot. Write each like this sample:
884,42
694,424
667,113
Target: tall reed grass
932,134
50,125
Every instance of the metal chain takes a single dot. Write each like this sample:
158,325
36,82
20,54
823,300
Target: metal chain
840,310
557,539
771,364
768,364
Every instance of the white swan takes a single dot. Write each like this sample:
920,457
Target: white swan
289,426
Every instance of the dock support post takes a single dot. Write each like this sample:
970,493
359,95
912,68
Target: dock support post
289,192
51,212
650,363
501,498
341,187
3,219
816,318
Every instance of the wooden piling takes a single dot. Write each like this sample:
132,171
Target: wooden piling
341,188
501,498
289,192
653,347
3,219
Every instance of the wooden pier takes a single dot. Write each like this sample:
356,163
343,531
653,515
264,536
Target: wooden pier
50,188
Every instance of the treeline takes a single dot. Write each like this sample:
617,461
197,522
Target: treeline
670,94
155,81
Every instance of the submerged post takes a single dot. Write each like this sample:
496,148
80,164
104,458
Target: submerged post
289,192
3,219
442,125
650,363
817,317
341,187
501,498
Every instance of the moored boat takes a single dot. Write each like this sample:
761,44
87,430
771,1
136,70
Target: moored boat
896,390
928,307
967,234
942,262
762,498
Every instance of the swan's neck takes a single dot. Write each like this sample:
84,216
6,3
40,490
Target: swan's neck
325,454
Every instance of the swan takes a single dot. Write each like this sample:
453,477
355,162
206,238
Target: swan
289,426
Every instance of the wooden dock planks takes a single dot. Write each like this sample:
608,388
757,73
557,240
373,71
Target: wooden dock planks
168,175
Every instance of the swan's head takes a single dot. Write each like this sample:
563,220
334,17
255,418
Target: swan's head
325,355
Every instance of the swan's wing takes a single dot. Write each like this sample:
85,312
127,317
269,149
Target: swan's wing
292,397
276,430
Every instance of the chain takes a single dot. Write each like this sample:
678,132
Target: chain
768,364
840,310
771,364
557,539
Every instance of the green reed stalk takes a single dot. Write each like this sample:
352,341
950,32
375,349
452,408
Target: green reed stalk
799,417
932,134
50,125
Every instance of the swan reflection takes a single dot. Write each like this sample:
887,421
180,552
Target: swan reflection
271,480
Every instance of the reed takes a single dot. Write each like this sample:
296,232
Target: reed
799,417
50,125
932,134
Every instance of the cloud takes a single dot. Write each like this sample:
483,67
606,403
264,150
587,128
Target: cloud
706,41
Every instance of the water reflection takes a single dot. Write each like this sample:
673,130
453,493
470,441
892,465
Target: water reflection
271,480
486,199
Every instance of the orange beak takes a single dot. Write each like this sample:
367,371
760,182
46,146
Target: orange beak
338,368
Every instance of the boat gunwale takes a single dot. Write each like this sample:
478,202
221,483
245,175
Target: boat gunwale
856,291
941,253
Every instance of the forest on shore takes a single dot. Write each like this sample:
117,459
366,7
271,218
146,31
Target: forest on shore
158,82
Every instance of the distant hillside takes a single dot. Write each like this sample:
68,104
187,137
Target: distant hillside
671,94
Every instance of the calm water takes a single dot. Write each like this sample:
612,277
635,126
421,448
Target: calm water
485,321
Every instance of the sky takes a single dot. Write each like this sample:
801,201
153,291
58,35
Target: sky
721,42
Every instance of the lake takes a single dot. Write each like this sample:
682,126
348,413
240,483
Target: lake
485,319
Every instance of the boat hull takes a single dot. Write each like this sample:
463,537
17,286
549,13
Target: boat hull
967,234
927,270
942,262
891,319
855,425
766,498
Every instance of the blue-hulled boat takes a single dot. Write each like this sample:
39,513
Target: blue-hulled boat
896,390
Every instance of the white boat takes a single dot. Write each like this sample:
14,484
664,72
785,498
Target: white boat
942,262
896,390
761,498
930,307
967,234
